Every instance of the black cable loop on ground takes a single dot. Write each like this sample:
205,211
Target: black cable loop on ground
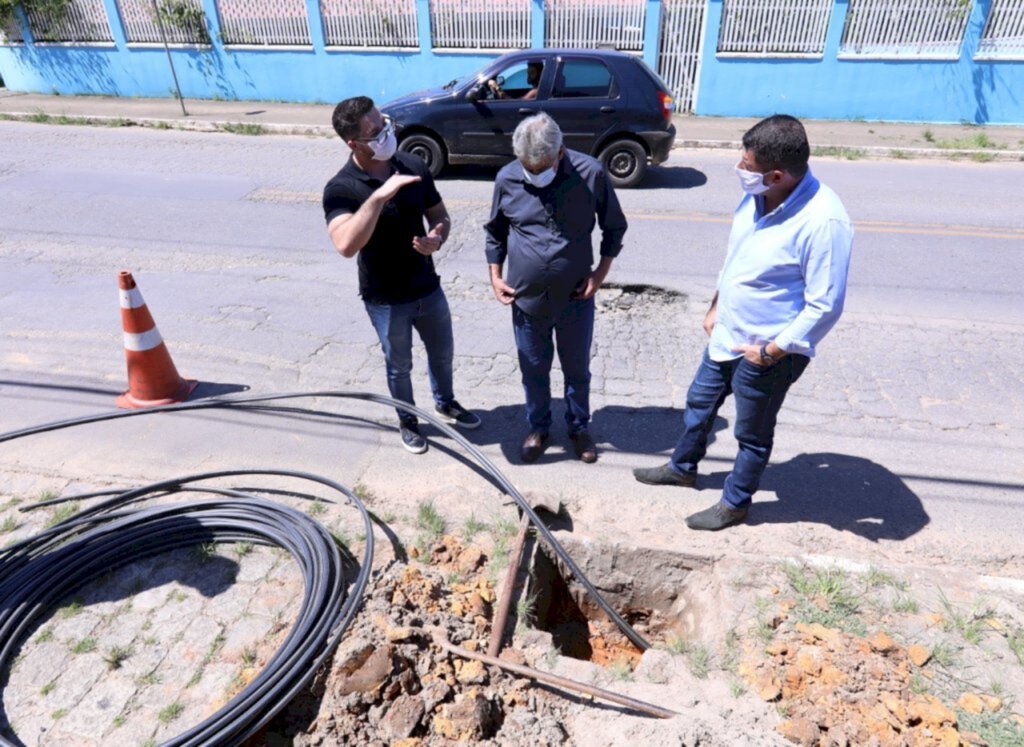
488,466
241,718
36,573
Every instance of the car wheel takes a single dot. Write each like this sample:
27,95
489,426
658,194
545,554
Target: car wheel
426,148
625,161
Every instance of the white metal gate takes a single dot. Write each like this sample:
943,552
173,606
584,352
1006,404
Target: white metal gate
679,49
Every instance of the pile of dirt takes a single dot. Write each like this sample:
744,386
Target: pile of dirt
391,685
835,688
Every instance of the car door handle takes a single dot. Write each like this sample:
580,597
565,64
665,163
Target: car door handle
607,109
524,110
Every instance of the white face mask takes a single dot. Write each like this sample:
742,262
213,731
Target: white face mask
542,179
383,150
751,182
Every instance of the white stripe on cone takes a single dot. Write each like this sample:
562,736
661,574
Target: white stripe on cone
131,299
142,341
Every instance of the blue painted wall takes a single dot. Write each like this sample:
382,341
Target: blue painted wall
313,74
980,91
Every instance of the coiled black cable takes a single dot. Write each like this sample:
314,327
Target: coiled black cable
253,707
37,572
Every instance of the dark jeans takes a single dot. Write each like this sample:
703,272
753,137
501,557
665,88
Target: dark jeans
572,330
433,321
759,395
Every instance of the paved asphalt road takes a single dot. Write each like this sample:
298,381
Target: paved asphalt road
903,441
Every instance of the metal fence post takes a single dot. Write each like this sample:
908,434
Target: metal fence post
316,26
116,24
537,24
26,31
425,33
834,35
975,28
213,23
652,32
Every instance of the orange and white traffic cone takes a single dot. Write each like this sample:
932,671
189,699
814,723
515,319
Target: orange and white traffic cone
152,378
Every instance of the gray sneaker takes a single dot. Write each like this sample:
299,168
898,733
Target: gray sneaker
456,414
412,440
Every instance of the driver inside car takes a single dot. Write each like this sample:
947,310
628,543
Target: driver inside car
533,73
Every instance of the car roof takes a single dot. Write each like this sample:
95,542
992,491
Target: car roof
567,51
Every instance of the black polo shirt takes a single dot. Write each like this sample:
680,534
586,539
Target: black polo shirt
390,270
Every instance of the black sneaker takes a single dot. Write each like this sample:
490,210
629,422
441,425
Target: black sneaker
664,475
411,438
458,415
716,517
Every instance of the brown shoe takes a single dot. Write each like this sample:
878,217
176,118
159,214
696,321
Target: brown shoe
585,447
533,446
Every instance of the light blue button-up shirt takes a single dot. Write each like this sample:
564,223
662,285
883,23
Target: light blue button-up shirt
784,277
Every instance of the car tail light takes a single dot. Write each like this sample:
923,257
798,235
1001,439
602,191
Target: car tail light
666,105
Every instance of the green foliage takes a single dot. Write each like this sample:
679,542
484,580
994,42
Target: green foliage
185,17
170,713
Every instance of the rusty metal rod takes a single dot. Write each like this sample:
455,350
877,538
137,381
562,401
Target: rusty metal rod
441,639
501,618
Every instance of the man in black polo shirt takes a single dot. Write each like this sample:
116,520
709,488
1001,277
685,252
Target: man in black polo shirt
375,209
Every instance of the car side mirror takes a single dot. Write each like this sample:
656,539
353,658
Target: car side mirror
476,93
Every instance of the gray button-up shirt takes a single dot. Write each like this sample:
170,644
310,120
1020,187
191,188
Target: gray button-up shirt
545,234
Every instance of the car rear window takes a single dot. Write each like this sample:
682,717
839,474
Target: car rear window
582,78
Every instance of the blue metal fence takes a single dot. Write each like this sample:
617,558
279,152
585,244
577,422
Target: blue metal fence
327,55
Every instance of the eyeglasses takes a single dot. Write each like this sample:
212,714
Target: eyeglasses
382,133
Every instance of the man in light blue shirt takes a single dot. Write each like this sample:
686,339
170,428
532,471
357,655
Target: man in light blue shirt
780,291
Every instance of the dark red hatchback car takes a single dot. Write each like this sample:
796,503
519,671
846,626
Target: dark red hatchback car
608,104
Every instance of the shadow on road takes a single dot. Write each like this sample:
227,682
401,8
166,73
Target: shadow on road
847,493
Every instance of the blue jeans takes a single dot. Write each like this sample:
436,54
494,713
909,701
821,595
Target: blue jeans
573,330
433,321
759,395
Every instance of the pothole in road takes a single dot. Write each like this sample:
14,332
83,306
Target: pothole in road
629,297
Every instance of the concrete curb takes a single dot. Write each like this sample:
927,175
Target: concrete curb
849,152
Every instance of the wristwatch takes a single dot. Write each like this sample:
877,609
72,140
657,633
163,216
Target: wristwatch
766,358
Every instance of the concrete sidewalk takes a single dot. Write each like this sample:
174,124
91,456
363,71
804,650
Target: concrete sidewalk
839,138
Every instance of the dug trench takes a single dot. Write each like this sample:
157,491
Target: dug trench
752,652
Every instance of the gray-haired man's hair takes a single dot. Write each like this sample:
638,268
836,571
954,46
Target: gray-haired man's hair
537,140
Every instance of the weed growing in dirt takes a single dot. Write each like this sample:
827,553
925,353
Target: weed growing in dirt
620,670
902,155
526,609
169,713
9,525
84,646
243,548
875,578
48,688
905,604
918,684
248,656
995,729
825,598
699,658
472,527
153,678
242,128
116,656
46,635
676,644
59,714
70,610
944,654
61,513
839,151
215,646
340,536
316,508
119,720
737,688
204,552
363,493
176,595
970,625
429,519
1016,641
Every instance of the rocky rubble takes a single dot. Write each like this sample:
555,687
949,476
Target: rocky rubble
390,685
839,689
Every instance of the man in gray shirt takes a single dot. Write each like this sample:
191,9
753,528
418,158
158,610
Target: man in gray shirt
542,216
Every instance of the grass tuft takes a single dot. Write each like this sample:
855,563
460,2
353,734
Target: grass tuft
116,656
84,646
169,713
61,513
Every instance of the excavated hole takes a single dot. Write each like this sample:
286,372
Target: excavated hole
626,297
670,599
